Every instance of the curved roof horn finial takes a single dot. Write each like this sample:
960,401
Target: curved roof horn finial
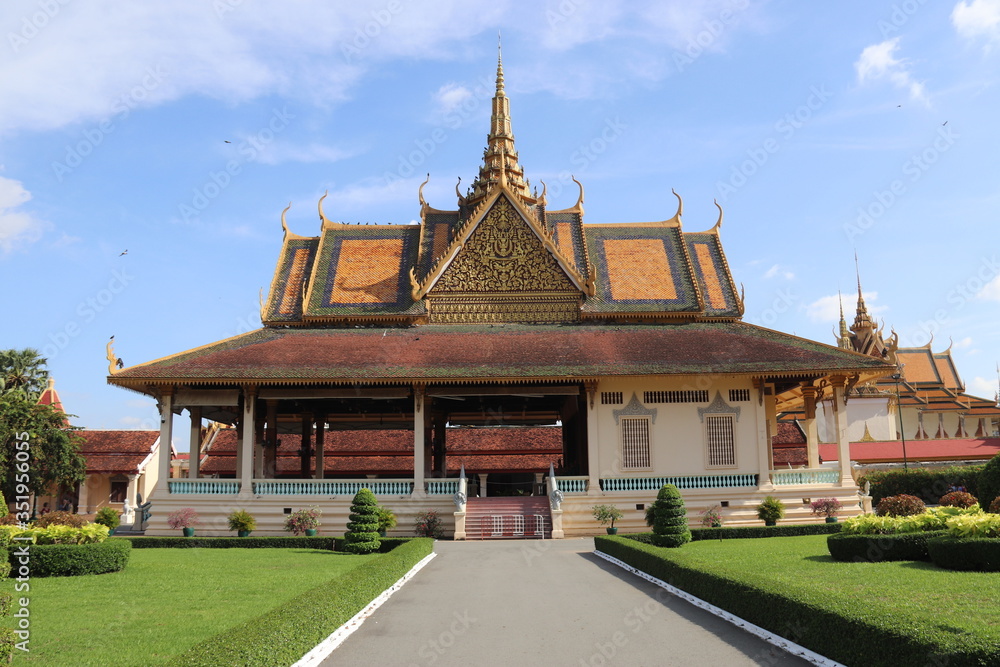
420,190
322,216
680,206
284,223
718,223
951,344
461,199
542,200
579,200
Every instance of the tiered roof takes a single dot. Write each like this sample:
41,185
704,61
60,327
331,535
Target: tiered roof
117,452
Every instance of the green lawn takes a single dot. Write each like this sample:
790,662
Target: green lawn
953,611
165,601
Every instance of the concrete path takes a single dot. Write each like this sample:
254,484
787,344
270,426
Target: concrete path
543,603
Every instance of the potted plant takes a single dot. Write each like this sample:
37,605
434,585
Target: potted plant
303,521
428,524
185,518
827,507
242,522
712,517
108,516
770,510
607,514
386,520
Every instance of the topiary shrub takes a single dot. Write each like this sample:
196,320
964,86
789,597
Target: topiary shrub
362,529
108,516
879,548
988,482
70,560
60,518
901,505
958,499
670,528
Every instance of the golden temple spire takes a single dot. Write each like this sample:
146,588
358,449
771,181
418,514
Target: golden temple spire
500,155
844,339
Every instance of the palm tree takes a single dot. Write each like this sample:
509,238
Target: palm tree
23,372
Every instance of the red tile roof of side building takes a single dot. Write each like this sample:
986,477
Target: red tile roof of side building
116,452
917,450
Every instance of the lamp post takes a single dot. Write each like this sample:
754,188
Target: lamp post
899,411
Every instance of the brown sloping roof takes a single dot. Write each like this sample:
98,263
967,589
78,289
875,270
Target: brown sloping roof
469,352
789,434
116,452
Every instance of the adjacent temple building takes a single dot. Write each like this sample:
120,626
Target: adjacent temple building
502,363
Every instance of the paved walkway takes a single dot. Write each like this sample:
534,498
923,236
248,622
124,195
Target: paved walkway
543,603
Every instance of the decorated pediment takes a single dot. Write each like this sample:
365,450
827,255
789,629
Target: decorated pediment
504,254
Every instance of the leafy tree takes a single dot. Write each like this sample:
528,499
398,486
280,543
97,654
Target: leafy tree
53,448
362,529
23,372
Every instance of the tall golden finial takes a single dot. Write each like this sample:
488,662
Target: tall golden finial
499,65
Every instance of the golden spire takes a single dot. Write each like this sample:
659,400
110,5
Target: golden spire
844,340
500,154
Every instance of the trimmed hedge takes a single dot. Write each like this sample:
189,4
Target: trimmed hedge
4,565
875,640
748,532
988,481
879,548
279,542
285,634
967,553
70,560
925,483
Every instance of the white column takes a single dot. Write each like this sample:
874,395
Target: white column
593,453
166,437
765,431
83,500
482,484
133,487
320,444
840,428
245,453
195,448
418,440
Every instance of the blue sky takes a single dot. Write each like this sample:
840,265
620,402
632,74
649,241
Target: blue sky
179,131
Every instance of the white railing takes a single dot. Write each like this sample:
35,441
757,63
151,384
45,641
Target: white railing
209,486
686,482
805,476
441,487
572,484
331,487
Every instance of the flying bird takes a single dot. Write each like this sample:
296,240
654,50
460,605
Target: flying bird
124,252
120,363
944,123
226,141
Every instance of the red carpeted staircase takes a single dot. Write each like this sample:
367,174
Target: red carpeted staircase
508,518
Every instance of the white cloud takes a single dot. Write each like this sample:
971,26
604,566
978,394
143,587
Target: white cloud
879,62
449,97
965,342
279,152
827,308
978,18
17,227
982,387
777,270
990,291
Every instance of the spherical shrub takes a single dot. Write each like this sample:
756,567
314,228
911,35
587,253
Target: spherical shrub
958,499
60,518
901,505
